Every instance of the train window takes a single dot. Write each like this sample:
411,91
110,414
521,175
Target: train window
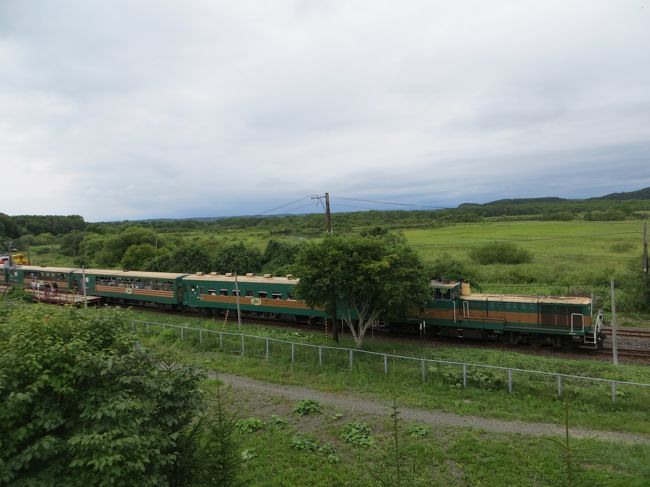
262,294
235,292
277,295
290,297
437,294
249,292
212,292
201,290
223,292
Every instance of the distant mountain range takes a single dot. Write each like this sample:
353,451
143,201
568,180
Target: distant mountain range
641,194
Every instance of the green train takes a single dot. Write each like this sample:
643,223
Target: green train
450,310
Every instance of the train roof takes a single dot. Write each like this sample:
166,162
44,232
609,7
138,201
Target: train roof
250,279
444,284
135,274
515,298
46,268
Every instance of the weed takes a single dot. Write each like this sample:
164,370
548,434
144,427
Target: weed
249,425
303,443
358,433
308,406
418,430
276,422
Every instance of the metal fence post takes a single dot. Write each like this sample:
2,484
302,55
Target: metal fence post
613,391
350,359
320,355
293,351
242,345
559,387
510,381
267,348
200,336
133,326
385,364
182,337
424,371
465,376
220,340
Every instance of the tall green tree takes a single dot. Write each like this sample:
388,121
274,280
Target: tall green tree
238,258
82,406
368,278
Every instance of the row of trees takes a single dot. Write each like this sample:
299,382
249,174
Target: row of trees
18,226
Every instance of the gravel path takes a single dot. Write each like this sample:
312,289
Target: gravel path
436,418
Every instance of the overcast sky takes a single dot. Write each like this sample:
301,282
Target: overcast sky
140,109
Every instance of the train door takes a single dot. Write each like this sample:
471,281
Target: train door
555,315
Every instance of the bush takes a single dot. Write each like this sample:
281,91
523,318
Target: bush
358,433
500,253
308,406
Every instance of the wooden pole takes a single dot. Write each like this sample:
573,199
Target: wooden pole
614,327
237,301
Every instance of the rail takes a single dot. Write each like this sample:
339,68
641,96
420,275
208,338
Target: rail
350,353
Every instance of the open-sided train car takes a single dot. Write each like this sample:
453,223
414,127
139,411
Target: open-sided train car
132,287
38,277
557,320
259,295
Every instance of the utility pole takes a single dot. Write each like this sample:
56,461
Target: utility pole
328,223
646,292
614,327
326,207
237,301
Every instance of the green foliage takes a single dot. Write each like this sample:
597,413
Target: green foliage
113,247
308,444
249,425
477,376
215,461
447,267
279,257
418,430
358,433
570,453
308,406
500,253
54,224
370,277
187,258
277,422
136,256
238,258
302,443
82,406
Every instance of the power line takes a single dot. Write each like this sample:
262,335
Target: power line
392,203
281,206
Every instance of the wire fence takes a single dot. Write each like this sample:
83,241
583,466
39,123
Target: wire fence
454,373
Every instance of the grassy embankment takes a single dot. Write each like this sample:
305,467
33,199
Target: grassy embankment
533,397
292,450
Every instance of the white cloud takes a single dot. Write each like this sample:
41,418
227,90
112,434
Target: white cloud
160,109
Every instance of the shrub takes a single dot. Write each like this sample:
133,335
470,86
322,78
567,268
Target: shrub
500,253
308,406
249,425
358,433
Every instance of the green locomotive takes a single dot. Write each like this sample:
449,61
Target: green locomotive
557,320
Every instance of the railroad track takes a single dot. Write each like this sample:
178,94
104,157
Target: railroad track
629,332
627,352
